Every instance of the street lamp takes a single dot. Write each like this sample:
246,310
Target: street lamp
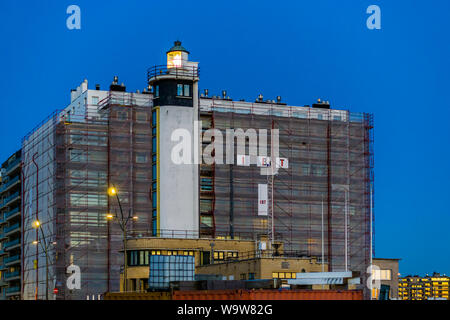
123,222
346,190
112,191
38,226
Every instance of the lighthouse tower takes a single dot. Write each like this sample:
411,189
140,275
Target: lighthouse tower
175,187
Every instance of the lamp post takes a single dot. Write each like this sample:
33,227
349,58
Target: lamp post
123,222
45,246
346,190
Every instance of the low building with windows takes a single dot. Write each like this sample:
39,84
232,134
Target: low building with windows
228,259
205,252
435,287
265,265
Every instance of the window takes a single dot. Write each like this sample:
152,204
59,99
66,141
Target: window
154,173
206,221
205,205
122,115
251,276
154,227
77,155
154,200
141,175
223,255
382,274
243,276
138,258
284,275
183,90
141,117
141,198
305,169
141,138
157,91
154,145
95,101
154,118
141,157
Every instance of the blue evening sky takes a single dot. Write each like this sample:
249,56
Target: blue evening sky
301,50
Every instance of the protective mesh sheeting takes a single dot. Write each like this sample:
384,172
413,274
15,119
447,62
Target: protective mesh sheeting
78,160
322,155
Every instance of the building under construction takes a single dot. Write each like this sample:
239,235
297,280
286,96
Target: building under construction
328,179
69,162
319,205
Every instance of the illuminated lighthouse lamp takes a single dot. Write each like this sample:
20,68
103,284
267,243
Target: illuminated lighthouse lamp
177,56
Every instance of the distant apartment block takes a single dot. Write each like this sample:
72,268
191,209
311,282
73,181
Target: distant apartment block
435,287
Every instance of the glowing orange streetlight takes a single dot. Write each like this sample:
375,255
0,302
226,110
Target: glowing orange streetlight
112,191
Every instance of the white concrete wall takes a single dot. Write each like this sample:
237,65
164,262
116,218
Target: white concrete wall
82,105
179,209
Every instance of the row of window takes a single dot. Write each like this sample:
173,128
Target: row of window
142,257
251,276
284,275
225,255
183,90
123,116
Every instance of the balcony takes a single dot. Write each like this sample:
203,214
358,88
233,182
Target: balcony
11,214
10,184
10,199
11,260
13,165
11,244
11,276
11,291
2,219
2,235
162,72
2,252
12,229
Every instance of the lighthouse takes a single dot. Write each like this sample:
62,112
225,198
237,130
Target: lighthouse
175,186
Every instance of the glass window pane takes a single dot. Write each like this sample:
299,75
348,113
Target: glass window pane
179,89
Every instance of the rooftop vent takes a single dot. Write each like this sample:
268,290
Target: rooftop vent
260,98
97,87
115,85
321,104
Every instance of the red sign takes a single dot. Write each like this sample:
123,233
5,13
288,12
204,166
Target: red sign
55,291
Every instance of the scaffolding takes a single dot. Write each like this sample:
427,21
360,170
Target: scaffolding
69,163
326,189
